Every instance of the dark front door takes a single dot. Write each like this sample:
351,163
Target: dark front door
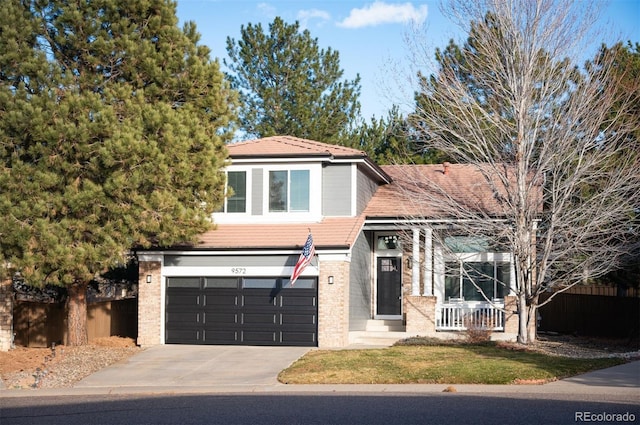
389,299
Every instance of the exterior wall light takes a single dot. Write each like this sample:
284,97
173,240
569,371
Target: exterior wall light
330,280
148,278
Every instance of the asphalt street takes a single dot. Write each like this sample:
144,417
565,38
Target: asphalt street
238,385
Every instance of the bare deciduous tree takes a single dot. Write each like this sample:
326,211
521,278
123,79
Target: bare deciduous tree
562,169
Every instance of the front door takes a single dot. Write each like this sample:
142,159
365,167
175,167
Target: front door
389,287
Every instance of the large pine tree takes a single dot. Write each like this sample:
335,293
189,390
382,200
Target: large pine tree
113,122
290,86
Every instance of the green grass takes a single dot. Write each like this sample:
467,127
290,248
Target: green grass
439,364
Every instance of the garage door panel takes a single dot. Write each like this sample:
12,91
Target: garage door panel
221,336
258,337
298,301
298,338
297,319
182,317
222,300
257,300
221,318
259,319
183,336
183,300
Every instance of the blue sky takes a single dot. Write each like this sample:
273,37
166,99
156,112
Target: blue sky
368,34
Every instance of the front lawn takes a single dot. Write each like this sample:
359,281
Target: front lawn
439,364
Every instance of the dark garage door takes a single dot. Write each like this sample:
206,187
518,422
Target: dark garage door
243,311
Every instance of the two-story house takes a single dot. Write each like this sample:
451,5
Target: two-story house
376,261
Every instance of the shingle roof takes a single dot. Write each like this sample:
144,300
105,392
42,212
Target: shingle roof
286,146
333,232
405,196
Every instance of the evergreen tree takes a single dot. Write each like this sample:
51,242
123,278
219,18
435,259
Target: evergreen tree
624,118
389,141
290,86
113,122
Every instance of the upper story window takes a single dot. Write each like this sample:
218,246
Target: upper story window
288,190
237,202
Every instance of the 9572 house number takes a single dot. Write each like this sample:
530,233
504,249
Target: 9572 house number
238,270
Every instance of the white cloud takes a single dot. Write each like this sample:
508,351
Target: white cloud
305,15
380,12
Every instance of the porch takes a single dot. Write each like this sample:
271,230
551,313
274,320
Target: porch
458,315
424,317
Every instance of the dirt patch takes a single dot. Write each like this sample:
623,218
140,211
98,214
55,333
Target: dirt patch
61,366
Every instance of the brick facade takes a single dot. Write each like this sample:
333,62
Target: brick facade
511,315
333,304
420,314
6,315
149,304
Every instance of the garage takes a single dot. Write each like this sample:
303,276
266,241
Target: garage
241,311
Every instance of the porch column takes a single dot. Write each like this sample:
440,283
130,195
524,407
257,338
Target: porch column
415,263
427,277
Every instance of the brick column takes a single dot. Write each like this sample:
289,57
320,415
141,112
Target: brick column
149,303
333,304
420,315
6,314
511,316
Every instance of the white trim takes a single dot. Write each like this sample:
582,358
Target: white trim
387,317
354,190
248,180
227,271
385,253
261,161
163,304
415,263
334,256
427,278
204,252
313,215
151,257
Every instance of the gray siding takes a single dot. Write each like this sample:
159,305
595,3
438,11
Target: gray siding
229,260
256,191
360,283
336,190
366,189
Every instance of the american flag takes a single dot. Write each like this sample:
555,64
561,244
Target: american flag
308,251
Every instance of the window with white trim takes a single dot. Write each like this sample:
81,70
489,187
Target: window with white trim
288,190
469,280
237,187
473,272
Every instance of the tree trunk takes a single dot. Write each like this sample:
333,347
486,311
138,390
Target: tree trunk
532,325
77,314
523,319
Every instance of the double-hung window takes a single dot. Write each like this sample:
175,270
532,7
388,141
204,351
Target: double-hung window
289,191
237,188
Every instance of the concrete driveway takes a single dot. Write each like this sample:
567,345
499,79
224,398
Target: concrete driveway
184,366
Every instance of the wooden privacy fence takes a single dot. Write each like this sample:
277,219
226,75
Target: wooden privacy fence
41,324
591,315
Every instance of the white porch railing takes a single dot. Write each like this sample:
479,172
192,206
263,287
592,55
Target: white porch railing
459,316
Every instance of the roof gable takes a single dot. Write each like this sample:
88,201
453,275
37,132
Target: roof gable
288,146
284,147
